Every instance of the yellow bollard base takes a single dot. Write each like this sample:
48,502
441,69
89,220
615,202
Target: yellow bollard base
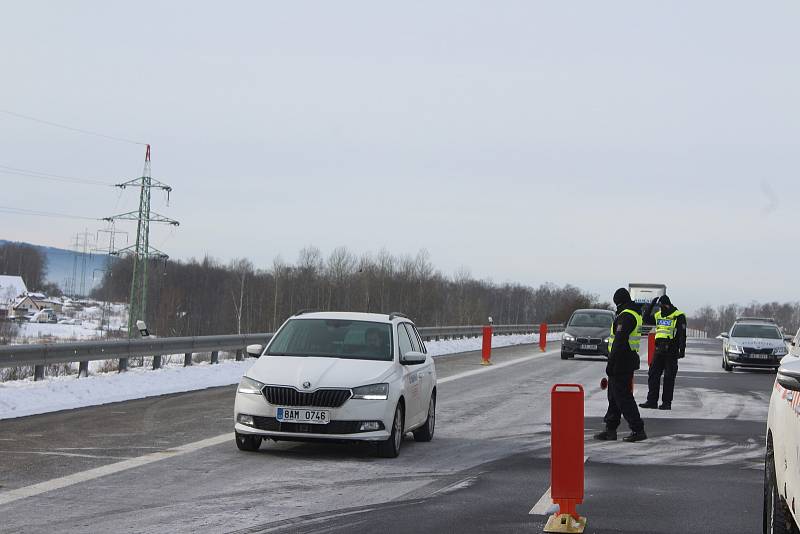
564,523
486,362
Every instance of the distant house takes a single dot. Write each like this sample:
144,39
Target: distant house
11,287
24,305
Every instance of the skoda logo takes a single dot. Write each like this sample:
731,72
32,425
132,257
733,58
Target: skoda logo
306,385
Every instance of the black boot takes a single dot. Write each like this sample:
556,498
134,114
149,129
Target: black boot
609,434
665,406
648,404
635,436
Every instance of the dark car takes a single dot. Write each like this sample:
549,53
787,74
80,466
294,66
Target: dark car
587,333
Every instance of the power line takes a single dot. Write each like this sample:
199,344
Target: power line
5,169
70,128
40,213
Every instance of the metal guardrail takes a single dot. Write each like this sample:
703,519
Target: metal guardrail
43,354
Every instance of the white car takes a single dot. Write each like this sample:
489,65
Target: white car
339,376
782,463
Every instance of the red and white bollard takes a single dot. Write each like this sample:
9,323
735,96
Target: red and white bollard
566,454
543,336
486,349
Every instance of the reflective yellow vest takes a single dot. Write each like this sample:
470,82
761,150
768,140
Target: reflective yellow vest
666,327
635,338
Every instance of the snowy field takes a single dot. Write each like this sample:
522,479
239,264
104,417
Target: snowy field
25,397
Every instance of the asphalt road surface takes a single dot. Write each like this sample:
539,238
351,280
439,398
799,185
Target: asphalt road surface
169,464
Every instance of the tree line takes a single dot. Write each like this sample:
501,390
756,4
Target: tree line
20,259
204,297
713,321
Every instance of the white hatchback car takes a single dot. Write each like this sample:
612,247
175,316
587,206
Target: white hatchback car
782,462
339,376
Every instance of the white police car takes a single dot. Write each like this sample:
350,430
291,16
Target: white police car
782,461
339,376
753,342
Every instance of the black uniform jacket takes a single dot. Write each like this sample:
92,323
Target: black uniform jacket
622,360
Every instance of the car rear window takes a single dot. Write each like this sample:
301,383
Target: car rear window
591,319
763,331
334,338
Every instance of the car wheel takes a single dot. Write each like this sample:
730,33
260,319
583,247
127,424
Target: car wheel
246,442
777,518
425,432
725,365
391,447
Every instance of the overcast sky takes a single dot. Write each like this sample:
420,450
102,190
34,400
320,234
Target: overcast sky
591,143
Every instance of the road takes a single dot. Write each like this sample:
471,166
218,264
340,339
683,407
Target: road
169,463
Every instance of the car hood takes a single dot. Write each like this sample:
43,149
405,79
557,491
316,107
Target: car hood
758,343
319,372
589,331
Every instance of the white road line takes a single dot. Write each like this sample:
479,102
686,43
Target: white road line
495,366
91,474
545,505
77,455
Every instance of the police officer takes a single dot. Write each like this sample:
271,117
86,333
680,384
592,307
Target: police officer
670,347
623,360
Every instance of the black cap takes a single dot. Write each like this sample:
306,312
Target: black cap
664,301
621,296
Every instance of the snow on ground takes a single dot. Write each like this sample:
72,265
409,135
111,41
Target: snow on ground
33,332
25,397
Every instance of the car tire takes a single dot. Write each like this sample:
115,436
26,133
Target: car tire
425,432
247,442
390,448
725,365
566,355
776,517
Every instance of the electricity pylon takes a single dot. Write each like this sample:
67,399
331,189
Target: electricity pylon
141,250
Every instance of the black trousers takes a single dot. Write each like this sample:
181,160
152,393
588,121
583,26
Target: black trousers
666,363
622,404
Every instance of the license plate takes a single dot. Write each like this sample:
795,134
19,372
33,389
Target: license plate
588,347
761,356
302,415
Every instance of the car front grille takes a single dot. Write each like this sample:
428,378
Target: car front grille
322,398
334,427
751,350
590,341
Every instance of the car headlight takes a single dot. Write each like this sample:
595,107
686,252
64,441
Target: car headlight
371,392
568,337
780,351
248,385
735,349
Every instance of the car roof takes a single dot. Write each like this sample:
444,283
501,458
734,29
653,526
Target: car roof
351,316
594,310
754,320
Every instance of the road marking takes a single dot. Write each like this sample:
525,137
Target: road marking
77,455
493,367
545,505
91,474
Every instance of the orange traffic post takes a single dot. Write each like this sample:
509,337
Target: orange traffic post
543,336
566,457
651,348
486,349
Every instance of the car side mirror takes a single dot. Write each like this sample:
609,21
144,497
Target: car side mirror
413,358
255,350
789,337
724,335
788,381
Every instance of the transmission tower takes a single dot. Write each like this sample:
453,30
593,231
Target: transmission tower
141,250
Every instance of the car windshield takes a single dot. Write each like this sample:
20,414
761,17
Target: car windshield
334,338
763,331
591,319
